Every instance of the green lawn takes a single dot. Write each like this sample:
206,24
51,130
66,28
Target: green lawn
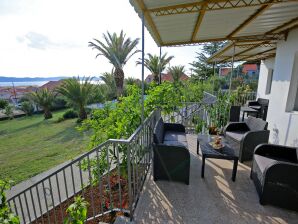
31,145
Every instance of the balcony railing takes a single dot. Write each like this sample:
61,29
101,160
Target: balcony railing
115,188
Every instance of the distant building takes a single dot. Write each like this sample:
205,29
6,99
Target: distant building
14,94
250,69
247,69
51,85
224,71
165,77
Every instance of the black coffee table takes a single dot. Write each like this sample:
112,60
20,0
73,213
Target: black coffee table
208,151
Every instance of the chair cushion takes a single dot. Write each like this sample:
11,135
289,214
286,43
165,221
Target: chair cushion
263,162
236,135
260,163
256,124
159,131
174,136
255,107
176,143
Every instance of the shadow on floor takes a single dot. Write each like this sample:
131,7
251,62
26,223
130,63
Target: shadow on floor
214,199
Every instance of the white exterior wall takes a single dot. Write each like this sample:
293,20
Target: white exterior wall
263,75
283,125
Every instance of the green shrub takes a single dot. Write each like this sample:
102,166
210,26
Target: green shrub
60,119
59,102
3,103
69,114
9,111
5,215
77,212
27,107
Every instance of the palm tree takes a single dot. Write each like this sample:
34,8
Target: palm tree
118,50
132,81
44,98
108,79
77,92
176,72
154,65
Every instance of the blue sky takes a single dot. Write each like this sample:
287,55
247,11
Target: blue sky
42,38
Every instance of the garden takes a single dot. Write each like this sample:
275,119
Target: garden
37,142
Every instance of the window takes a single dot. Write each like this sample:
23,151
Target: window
292,102
269,81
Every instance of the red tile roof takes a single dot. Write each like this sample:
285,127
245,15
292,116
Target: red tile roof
165,77
249,67
224,71
51,85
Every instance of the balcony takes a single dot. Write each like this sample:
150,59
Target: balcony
214,199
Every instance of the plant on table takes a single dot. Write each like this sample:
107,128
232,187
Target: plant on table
219,112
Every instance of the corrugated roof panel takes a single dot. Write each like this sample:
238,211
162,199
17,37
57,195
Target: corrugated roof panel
175,28
273,17
258,50
220,23
157,3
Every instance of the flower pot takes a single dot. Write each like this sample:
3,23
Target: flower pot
212,130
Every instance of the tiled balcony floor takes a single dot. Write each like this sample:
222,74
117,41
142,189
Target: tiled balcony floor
214,199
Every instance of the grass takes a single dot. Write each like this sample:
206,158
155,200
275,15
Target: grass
31,145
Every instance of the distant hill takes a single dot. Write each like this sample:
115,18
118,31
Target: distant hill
28,79
35,79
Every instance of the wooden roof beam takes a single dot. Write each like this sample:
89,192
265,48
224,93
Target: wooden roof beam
199,21
149,21
263,52
195,7
251,48
249,20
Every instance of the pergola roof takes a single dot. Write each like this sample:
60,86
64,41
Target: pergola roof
245,51
184,22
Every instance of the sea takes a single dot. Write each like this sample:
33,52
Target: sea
32,83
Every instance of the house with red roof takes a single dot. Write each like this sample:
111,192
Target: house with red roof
51,85
249,69
224,71
165,77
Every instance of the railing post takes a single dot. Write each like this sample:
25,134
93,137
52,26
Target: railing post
129,184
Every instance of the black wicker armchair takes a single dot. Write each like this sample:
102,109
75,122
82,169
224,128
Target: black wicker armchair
243,137
171,158
261,105
275,174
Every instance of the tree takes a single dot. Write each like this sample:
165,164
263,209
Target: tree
8,110
118,50
44,98
27,107
132,81
176,72
111,90
156,65
77,92
200,68
3,103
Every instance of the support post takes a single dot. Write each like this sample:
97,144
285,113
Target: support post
143,58
231,76
159,65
